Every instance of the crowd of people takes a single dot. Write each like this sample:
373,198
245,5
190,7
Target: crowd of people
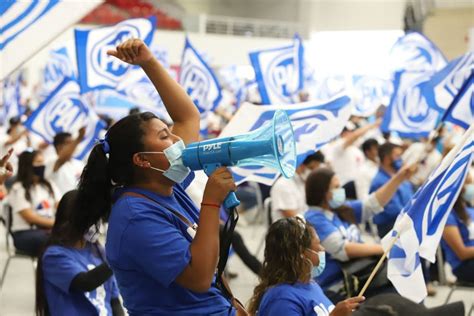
162,222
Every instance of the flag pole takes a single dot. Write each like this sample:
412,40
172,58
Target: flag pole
379,264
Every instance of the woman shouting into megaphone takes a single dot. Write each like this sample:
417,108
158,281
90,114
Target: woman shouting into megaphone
162,249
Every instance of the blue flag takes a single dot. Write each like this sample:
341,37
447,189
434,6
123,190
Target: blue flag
413,52
11,97
408,112
461,111
369,94
66,111
28,26
58,67
199,82
96,69
421,222
314,125
279,72
449,91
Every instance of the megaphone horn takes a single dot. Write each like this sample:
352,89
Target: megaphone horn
272,145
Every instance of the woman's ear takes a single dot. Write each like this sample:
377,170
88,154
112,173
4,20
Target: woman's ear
140,161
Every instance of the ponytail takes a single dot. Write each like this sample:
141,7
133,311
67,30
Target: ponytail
94,192
110,165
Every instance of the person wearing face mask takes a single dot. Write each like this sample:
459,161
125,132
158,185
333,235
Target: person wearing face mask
33,201
286,285
288,195
458,235
335,220
162,248
73,277
390,163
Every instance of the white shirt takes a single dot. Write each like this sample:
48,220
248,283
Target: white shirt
346,161
288,194
427,162
367,172
41,202
66,177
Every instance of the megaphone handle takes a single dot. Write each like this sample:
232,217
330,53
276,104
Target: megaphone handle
231,199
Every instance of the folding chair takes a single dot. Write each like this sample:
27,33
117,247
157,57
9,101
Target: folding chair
12,252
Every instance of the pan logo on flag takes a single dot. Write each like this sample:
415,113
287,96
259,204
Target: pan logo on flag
57,68
109,66
413,116
280,71
65,112
444,194
197,86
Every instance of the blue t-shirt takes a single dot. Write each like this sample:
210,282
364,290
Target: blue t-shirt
467,237
60,266
148,247
398,201
325,226
297,299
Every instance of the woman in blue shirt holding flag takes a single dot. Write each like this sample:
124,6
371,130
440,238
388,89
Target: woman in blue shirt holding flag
458,236
293,256
335,220
73,277
162,248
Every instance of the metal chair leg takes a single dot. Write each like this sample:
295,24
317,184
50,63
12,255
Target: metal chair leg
4,273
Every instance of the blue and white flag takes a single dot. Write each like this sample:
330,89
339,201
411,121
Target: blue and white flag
66,111
314,125
199,82
279,72
408,113
421,222
11,97
446,84
59,66
138,89
461,111
27,26
413,52
96,69
369,94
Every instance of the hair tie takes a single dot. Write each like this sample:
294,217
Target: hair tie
105,145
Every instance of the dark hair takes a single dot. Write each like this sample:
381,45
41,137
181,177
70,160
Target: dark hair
283,262
134,111
369,144
317,186
14,121
95,186
317,156
25,173
61,234
385,150
60,138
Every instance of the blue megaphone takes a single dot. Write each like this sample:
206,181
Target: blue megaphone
272,145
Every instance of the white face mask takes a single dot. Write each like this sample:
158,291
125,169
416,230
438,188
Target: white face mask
177,172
